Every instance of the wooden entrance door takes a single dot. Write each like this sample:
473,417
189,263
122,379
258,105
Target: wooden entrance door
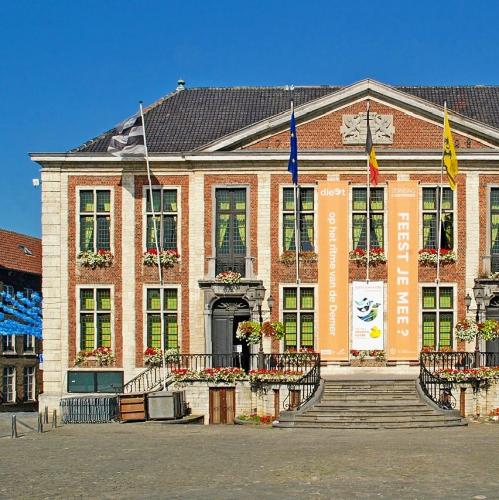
222,405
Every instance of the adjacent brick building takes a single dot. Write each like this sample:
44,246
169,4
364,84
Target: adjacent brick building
20,271
224,200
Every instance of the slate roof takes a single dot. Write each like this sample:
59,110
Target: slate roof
13,255
188,119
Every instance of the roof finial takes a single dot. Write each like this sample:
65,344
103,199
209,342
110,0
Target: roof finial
180,85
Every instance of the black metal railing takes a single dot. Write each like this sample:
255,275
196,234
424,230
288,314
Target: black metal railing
438,389
301,391
144,382
435,361
152,377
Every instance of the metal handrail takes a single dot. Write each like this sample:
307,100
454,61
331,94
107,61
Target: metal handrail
436,388
307,386
152,376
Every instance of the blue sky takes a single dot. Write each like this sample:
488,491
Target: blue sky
72,69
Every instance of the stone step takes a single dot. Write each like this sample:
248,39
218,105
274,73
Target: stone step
357,413
375,418
339,394
373,426
373,399
370,404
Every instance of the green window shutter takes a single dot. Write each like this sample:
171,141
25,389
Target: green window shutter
103,239
103,201
359,199
429,330
429,199
306,198
307,298
377,199
307,232
169,232
154,331
87,299
171,327
288,199
103,330
429,298
290,330
445,330
156,198
86,233
307,330
170,200
170,297
446,298
447,199
86,201
288,237
87,332
150,241
359,231
103,299
153,299
377,240
290,298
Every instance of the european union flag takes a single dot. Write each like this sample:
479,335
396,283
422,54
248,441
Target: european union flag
293,155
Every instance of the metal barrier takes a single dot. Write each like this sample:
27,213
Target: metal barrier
89,409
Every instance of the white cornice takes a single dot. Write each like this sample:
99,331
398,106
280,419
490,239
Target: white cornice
257,156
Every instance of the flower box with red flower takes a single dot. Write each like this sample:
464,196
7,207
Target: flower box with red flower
428,256
167,258
376,256
102,356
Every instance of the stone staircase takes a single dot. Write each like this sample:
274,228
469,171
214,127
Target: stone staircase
370,404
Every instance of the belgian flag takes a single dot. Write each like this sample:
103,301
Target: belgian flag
373,163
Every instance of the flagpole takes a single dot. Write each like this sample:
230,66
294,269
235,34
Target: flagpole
158,256
439,222
297,223
368,222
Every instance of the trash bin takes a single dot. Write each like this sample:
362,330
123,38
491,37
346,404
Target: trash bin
164,405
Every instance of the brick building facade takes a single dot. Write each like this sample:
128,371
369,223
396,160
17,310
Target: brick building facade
20,271
219,160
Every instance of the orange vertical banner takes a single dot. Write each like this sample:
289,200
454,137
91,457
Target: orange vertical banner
333,270
403,299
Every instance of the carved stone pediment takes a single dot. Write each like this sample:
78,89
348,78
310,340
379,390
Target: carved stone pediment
354,128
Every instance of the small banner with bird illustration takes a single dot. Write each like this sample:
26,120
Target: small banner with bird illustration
368,307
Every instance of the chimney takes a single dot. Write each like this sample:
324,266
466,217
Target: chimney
180,85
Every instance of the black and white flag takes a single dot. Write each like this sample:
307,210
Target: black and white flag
129,140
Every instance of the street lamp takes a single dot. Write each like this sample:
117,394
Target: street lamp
479,294
259,296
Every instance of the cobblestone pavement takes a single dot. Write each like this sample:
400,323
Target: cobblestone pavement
151,460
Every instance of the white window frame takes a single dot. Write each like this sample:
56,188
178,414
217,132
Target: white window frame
455,223
95,213
32,383
422,311
11,339
282,212
9,289
298,311
384,212
12,376
161,312
95,287
29,346
157,187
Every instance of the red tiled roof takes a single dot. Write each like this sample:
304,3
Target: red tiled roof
13,253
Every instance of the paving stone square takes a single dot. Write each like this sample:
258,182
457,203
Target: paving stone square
153,460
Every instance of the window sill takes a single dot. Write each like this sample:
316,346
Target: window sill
9,353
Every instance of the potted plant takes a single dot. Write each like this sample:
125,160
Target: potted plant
428,256
251,331
368,358
102,356
101,258
376,256
167,258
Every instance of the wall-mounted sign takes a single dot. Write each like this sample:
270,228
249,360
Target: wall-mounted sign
368,307
333,270
403,300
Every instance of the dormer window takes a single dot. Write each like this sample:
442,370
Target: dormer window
25,249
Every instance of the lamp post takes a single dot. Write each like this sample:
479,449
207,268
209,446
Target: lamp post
479,295
259,296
